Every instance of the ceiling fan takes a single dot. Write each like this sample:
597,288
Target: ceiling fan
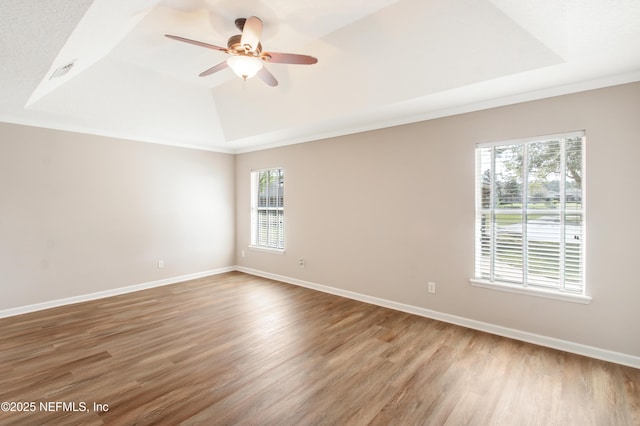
246,53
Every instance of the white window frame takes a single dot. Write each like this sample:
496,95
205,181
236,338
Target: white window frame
270,243
559,292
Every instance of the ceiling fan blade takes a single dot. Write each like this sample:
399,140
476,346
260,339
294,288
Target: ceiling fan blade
266,76
197,43
288,58
251,33
219,67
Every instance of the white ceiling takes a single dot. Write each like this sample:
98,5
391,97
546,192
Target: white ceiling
380,63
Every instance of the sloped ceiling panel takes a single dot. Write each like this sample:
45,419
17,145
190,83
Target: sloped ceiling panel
128,99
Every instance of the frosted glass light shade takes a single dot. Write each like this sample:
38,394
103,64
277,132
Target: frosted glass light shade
244,66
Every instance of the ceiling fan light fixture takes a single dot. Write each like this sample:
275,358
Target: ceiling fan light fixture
244,66
246,55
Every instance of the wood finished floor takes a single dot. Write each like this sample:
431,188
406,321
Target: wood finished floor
238,349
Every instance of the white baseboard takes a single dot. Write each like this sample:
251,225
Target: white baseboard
550,342
108,293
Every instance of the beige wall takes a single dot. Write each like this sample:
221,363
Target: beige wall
82,214
383,212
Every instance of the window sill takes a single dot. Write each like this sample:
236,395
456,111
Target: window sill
266,249
539,292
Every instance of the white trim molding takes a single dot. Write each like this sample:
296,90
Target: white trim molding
550,342
108,293
266,249
531,291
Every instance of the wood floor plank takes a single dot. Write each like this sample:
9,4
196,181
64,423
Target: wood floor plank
239,349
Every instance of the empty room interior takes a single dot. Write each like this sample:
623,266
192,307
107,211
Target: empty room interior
343,212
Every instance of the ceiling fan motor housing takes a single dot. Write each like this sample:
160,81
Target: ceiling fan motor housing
235,46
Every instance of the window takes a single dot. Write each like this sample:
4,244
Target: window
530,215
267,209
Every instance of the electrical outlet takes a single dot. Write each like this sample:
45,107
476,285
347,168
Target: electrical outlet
160,264
301,263
242,253
431,287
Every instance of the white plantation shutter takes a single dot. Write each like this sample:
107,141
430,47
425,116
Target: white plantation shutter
530,213
267,208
